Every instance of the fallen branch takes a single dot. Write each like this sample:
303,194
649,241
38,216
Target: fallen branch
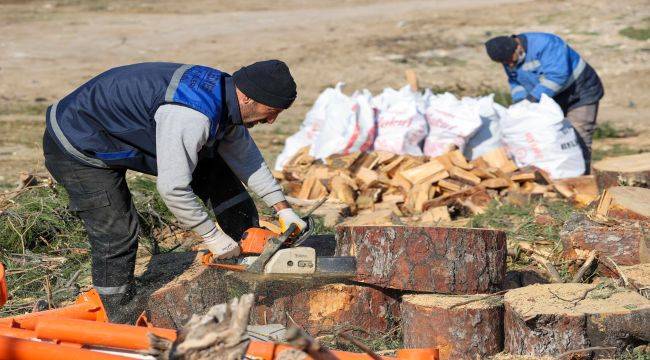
550,268
583,269
614,267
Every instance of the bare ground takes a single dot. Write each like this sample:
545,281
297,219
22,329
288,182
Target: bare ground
50,47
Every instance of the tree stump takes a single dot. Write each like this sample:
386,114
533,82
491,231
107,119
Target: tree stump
625,202
554,318
639,278
199,288
430,259
328,308
625,242
460,332
630,170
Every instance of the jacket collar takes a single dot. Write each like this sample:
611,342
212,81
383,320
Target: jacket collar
232,104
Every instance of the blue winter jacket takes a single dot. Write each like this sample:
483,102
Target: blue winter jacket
552,67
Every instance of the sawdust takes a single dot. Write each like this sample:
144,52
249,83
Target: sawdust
446,301
574,300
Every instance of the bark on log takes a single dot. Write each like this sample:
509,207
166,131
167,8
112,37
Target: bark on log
431,259
631,170
625,202
627,243
554,318
332,307
463,332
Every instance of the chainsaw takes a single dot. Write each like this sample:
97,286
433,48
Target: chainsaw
266,252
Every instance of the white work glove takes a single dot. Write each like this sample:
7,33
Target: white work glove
287,217
221,245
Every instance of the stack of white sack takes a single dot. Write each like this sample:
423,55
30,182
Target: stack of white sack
336,124
451,122
401,124
538,134
409,123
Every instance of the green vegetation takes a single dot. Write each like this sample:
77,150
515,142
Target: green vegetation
45,247
608,130
636,33
615,150
23,108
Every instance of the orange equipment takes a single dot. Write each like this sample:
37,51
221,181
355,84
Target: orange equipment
3,286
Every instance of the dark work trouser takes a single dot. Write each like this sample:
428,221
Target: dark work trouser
101,198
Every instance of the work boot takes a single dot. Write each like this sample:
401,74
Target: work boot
120,308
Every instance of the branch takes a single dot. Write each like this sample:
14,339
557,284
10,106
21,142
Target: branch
583,269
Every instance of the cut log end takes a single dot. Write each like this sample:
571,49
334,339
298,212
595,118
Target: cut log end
631,170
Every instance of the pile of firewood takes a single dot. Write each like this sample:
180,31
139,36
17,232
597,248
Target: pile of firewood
433,189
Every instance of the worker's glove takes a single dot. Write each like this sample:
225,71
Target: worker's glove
221,245
287,217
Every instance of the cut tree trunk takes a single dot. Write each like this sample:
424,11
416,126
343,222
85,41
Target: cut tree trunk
432,259
199,288
625,242
630,170
554,318
325,309
625,202
459,331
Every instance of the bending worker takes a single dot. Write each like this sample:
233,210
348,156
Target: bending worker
187,124
541,63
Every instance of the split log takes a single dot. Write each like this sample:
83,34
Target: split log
465,176
555,318
582,189
329,308
625,202
639,278
499,158
626,242
420,173
435,215
630,170
432,259
470,331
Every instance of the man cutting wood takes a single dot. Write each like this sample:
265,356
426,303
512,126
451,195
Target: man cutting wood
542,63
186,124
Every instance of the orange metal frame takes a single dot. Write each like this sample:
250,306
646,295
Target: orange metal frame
75,331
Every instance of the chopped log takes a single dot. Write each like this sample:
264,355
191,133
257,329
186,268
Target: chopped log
458,159
639,278
582,189
627,243
630,170
483,173
312,188
416,174
495,183
625,202
465,176
523,176
368,197
498,158
435,216
391,168
555,318
399,181
339,161
417,197
435,321
325,309
386,217
433,178
411,79
457,260
451,185
342,190
448,199
367,177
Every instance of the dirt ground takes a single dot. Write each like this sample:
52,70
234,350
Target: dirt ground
50,47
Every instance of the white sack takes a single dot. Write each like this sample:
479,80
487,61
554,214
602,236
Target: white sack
348,126
309,129
401,125
488,135
451,122
538,134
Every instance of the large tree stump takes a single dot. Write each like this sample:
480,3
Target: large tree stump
630,170
625,242
554,318
199,288
429,259
625,202
639,278
458,331
329,308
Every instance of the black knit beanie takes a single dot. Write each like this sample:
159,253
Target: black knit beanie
267,82
501,48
